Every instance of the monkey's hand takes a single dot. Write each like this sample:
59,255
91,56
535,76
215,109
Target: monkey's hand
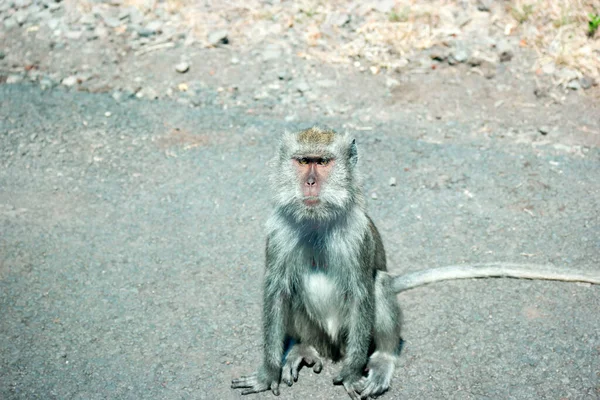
265,379
349,377
300,354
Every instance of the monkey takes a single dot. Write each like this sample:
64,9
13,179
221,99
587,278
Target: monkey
326,290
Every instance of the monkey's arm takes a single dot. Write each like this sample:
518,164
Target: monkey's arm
274,310
492,270
360,326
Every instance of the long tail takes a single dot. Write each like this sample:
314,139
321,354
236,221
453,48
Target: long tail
492,270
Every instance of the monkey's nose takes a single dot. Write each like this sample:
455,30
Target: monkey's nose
311,181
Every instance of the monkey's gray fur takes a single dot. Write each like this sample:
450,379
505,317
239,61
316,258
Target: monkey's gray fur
326,289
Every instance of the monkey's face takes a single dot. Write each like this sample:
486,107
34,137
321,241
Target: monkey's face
314,178
312,172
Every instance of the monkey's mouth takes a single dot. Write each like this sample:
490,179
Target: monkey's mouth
311,201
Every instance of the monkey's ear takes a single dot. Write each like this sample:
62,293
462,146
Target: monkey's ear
353,153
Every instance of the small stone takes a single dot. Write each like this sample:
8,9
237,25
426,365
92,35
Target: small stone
586,82
391,83
235,60
438,53
302,87
505,52
326,83
182,67
283,75
374,196
107,114
218,37
338,19
271,53
544,130
14,78
484,5
144,32
392,181
459,54
69,81
574,84
21,16
117,95
155,26
53,23
384,6
111,22
46,83
73,35
10,23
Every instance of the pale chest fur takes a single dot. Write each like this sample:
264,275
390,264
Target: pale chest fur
322,302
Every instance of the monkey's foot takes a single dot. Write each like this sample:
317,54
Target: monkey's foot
377,381
258,382
299,355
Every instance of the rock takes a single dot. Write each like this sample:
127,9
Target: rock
544,130
182,67
391,83
69,81
384,6
235,60
22,3
88,20
145,32
439,53
21,16
541,91
585,82
505,52
53,23
271,53
326,83
14,78
155,26
484,5
111,22
46,83
374,196
574,84
218,37
392,181
459,54
2,55
338,19
73,35
10,23
283,75
302,87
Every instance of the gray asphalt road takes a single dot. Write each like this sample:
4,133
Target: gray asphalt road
131,253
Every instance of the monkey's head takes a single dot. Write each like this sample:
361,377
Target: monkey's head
315,176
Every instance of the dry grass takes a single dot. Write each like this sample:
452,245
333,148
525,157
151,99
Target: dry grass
555,29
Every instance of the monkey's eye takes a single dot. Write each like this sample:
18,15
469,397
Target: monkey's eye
322,161
303,161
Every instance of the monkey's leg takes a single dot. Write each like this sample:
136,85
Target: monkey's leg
387,340
300,354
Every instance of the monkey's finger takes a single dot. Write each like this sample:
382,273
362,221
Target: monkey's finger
360,385
275,388
318,366
295,368
244,382
350,390
286,375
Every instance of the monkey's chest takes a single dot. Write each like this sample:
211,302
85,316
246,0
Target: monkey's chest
324,302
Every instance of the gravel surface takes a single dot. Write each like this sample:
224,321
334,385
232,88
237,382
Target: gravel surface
133,162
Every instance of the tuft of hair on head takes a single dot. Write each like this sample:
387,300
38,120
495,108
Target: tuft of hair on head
316,135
